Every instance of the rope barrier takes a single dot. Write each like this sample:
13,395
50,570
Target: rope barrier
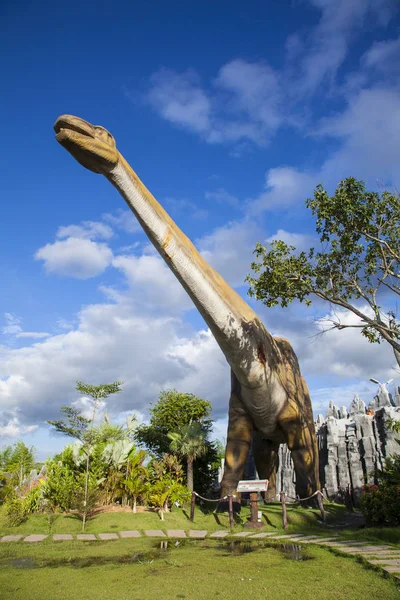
297,499
210,499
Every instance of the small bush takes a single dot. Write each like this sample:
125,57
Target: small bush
15,512
380,504
33,501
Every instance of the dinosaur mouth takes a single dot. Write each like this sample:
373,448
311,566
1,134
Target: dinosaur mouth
67,123
93,147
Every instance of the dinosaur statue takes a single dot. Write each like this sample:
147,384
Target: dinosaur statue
269,403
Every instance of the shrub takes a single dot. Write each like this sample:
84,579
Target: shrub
15,512
380,504
60,486
33,500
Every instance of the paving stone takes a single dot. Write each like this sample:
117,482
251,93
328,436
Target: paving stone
86,537
129,534
11,538
108,536
62,536
154,533
391,569
382,561
333,543
35,538
198,533
219,534
261,535
176,533
282,537
316,540
353,543
365,549
242,534
395,554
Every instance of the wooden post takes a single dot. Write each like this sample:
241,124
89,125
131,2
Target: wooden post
321,507
284,517
192,505
230,503
254,508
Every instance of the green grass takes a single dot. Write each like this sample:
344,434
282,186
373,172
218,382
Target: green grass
135,570
300,519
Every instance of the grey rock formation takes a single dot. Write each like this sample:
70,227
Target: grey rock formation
351,446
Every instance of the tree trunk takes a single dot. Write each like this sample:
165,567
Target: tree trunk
189,475
397,355
134,504
86,493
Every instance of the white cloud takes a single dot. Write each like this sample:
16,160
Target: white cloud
86,230
383,55
11,427
152,283
320,54
13,326
178,98
75,257
124,220
223,197
32,334
344,354
299,240
186,207
112,341
370,130
284,186
229,249
242,103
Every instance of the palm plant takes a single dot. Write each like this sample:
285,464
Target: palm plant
135,480
189,441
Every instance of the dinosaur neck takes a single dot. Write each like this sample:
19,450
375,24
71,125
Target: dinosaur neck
229,317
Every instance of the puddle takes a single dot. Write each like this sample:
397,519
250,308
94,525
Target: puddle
23,563
294,552
238,547
146,558
289,551
160,550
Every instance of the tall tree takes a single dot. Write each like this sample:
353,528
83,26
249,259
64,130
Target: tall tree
83,429
20,461
174,410
358,264
189,442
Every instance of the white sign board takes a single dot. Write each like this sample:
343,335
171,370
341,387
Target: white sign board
254,485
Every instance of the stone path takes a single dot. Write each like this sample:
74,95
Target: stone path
382,556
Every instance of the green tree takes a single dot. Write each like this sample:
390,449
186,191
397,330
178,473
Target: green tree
20,462
136,480
83,429
189,442
173,410
359,261
60,485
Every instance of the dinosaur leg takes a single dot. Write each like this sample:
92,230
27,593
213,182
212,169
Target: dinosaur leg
267,460
240,431
301,441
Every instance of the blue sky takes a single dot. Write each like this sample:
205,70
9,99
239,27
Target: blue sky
230,114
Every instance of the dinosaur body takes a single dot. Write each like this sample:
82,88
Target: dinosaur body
269,402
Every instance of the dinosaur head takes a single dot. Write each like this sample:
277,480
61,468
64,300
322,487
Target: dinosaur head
92,146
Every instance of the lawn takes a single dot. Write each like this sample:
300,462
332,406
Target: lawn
138,569
108,522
